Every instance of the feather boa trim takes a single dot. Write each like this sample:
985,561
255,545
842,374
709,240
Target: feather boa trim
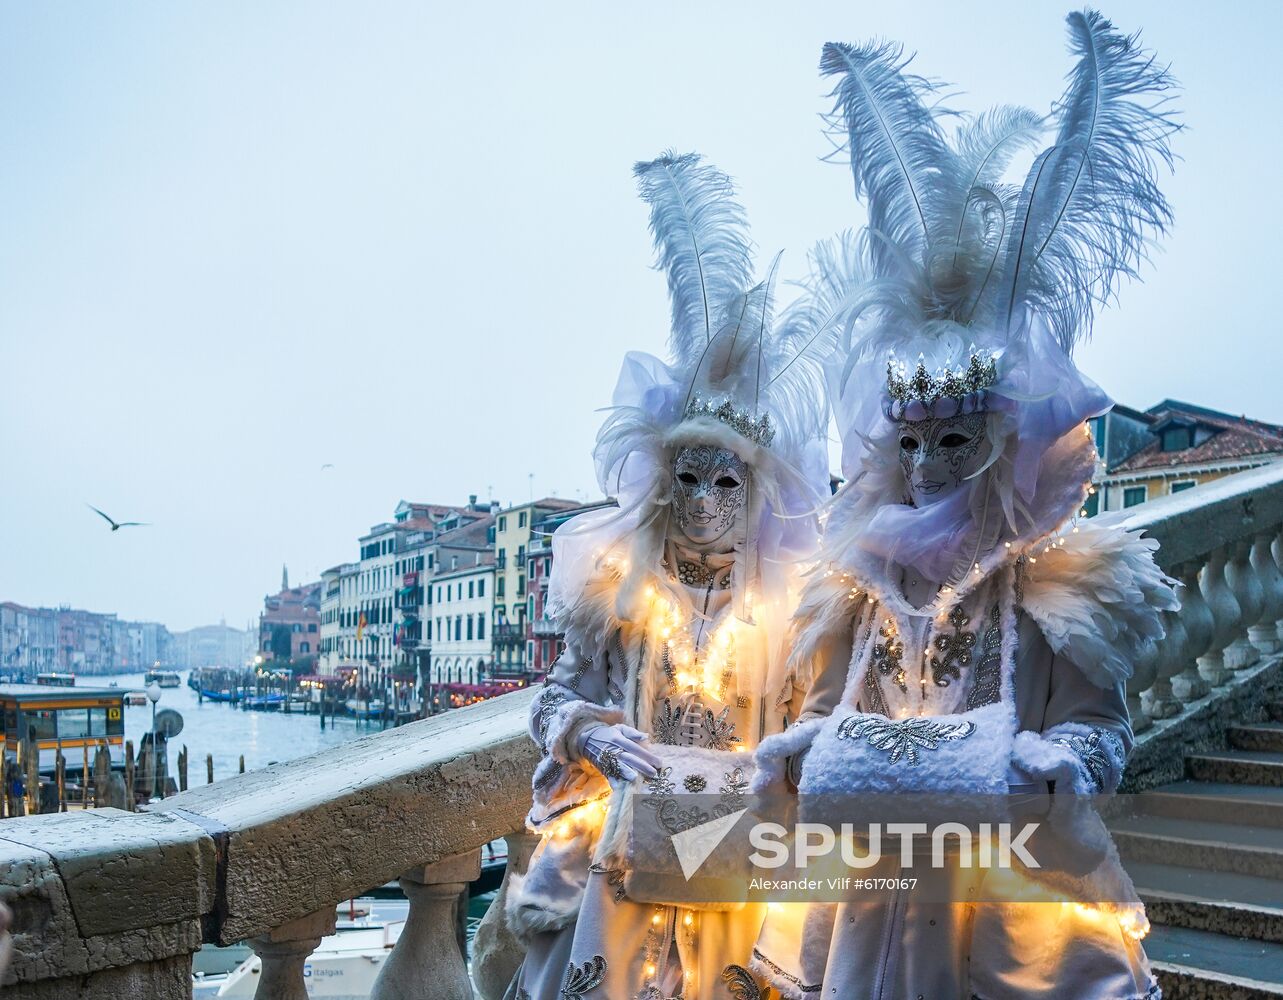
1098,597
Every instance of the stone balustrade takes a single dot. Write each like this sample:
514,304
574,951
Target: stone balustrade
110,904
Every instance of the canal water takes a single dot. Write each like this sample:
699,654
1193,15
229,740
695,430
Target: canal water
227,731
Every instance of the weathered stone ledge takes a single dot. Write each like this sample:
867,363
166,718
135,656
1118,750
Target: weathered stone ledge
1159,754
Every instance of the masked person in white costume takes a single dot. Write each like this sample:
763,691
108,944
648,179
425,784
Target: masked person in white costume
971,632
674,609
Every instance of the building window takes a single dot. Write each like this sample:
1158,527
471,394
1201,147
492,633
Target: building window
471,588
469,626
1181,485
481,626
498,587
521,519
458,627
503,524
1092,504
481,587
1133,495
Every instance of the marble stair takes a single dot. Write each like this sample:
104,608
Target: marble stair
1206,855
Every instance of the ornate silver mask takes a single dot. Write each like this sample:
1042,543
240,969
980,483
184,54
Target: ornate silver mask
938,454
709,492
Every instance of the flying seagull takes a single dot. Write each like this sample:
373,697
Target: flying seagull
327,465
114,525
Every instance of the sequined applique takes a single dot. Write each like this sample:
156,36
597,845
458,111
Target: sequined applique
806,988
550,699
1097,752
655,993
660,783
548,777
719,731
694,783
666,662
986,682
675,818
582,669
614,878
876,703
581,979
889,654
741,984
522,994
732,793
743,701
903,738
668,724
700,574
955,650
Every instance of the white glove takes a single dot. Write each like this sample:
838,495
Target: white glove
617,751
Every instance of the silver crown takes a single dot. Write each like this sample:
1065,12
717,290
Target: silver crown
759,429
927,387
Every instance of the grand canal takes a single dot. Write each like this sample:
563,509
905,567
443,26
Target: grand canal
227,731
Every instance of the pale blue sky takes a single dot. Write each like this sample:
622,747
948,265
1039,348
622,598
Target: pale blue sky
241,240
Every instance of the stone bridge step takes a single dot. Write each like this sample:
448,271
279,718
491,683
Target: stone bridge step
1248,767
1257,736
1201,965
1239,905
1251,805
1193,843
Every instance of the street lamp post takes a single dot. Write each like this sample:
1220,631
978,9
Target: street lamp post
153,695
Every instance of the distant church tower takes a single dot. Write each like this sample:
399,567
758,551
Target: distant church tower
285,577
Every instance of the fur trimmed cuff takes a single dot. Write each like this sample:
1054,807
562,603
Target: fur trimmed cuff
772,755
570,721
1082,759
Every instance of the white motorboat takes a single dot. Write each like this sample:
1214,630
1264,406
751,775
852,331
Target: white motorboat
343,966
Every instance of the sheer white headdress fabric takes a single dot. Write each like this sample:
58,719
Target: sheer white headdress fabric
736,378
968,270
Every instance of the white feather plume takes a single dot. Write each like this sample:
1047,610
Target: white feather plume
702,245
1091,202
900,160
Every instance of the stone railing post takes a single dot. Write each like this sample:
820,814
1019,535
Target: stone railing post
283,952
1144,674
496,952
1265,633
1246,587
1225,617
1159,701
427,960
1198,625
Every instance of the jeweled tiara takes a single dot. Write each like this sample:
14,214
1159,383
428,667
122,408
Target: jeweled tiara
928,387
760,430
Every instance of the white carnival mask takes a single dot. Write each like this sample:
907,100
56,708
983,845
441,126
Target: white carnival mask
710,492
939,454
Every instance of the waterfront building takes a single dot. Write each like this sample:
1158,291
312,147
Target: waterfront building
1172,447
462,592
86,641
453,543
511,609
28,640
290,624
332,627
543,640
218,645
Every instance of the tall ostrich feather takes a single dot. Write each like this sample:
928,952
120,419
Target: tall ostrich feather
702,245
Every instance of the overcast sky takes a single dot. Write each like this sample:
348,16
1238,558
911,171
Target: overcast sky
239,241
